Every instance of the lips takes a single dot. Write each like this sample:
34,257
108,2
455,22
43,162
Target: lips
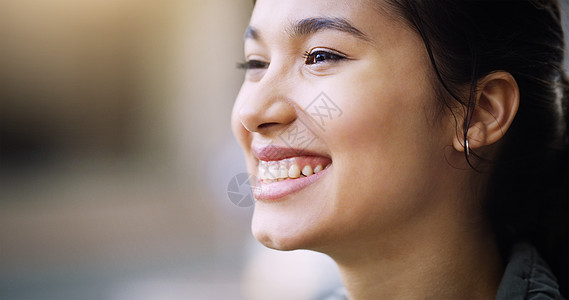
273,153
284,171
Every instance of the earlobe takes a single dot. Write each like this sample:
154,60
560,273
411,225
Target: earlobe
497,102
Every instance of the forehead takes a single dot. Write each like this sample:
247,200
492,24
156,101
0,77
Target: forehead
275,17
308,6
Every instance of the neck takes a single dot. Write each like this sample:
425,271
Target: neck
439,256
426,269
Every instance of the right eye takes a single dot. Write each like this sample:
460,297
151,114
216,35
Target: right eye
253,64
320,56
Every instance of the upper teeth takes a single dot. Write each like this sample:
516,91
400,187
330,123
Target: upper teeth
284,169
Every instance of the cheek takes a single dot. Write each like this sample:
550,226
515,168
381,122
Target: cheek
378,109
384,139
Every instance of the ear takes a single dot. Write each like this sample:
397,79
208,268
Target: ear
497,102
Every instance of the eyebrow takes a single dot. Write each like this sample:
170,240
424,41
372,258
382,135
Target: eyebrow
310,26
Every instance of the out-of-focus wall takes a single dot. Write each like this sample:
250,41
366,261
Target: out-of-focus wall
116,149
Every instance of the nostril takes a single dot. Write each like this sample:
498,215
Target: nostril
266,125
264,115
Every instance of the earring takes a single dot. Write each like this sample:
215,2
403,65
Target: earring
467,146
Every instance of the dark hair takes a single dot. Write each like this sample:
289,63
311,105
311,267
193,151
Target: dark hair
528,191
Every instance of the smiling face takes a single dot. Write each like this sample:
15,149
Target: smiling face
355,82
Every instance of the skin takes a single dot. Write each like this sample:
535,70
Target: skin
396,206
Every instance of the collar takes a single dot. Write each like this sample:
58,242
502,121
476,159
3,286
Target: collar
527,276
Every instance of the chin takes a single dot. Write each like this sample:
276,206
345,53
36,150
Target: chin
277,242
281,232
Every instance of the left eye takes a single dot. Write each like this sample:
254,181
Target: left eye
321,56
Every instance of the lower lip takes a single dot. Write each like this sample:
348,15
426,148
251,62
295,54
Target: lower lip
279,189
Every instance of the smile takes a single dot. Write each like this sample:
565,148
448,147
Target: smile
283,171
281,178
291,168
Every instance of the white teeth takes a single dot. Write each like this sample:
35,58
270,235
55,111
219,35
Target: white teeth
274,171
318,169
307,170
283,172
262,170
294,171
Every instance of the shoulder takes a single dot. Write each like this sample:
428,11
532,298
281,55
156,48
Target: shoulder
527,276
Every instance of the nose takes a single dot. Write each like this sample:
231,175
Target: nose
267,109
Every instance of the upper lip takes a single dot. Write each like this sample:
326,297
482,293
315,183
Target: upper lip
274,152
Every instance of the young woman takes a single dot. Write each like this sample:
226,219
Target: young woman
422,144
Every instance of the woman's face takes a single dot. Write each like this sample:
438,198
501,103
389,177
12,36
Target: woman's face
341,86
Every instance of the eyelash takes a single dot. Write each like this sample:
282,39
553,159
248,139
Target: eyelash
252,64
310,58
319,56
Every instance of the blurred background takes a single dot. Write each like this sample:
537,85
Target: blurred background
116,149
116,153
